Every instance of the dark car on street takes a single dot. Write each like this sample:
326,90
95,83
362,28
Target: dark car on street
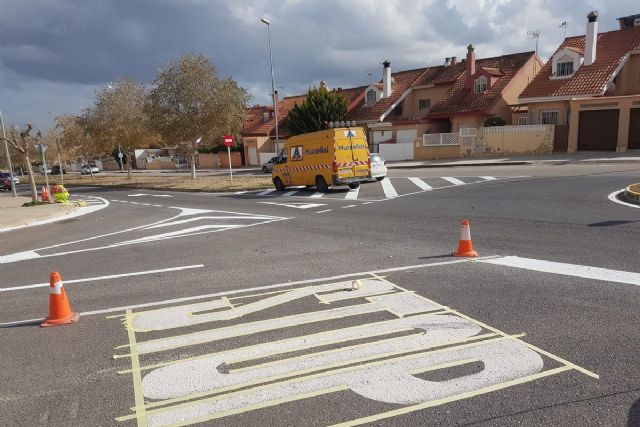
5,183
56,170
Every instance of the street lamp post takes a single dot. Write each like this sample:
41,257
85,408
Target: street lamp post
6,150
273,84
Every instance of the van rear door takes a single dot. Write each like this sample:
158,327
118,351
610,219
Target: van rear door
352,154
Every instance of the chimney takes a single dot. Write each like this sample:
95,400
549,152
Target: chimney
591,38
471,67
447,62
323,85
454,60
386,79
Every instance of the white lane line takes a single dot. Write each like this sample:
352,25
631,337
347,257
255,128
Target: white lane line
489,178
348,206
576,270
367,203
317,195
420,183
326,210
387,187
613,197
265,192
258,288
290,193
454,181
111,276
352,194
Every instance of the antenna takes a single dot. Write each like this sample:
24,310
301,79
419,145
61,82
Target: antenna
535,34
564,25
370,76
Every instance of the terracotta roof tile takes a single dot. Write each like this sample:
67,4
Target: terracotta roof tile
459,99
611,48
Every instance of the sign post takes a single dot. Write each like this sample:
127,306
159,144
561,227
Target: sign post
228,142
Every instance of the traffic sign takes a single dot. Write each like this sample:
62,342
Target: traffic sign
228,141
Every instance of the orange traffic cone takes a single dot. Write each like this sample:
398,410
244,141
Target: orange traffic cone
44,194
59,309
465,247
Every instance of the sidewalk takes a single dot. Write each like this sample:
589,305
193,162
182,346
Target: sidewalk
631,156
14,215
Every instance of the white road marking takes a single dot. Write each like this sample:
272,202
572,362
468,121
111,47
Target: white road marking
240,192
150,195
613,198
352,194
454,181
296,205
420,183
349,206
265,192
489,178
317,195
111,276
584,271
290,193
326,210
387,187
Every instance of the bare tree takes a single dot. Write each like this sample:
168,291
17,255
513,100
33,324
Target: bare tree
118,118
188,102
22,142
74,138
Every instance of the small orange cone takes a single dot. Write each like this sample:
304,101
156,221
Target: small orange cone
465,247
59,309
44,194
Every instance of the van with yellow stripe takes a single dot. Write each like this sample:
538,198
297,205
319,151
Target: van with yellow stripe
322,159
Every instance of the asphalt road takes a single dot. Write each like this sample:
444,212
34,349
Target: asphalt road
241,309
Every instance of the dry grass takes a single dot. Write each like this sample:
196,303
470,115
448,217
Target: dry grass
635,188
175,183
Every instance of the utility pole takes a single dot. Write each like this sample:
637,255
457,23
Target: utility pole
6,149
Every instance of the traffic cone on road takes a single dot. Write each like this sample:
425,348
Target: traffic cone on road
44,194
59,309
465,247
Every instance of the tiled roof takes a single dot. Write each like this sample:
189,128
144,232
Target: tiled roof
459,99
611,47
402,81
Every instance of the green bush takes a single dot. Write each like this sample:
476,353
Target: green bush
494,121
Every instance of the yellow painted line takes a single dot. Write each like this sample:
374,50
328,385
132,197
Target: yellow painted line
339,368
225,300
384,279
260,295
499,332
292,398
273,353
461,396
137,378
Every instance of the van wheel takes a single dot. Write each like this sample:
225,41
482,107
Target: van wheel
277,182
380,178
354,185
321,184
265,170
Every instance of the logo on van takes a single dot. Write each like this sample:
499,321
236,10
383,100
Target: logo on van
296,152
350,133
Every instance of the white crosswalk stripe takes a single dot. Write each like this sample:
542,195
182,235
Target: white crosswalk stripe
454,181
389,191
352,194
420,183
265,192
317,195
489,178
290,193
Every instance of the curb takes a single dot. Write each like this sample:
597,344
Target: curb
74,214
631,196
449,165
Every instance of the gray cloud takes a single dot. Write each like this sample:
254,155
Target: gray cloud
55,54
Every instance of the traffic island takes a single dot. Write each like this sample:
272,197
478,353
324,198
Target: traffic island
20,211
631,194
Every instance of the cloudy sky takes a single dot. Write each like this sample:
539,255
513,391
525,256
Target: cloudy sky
54,54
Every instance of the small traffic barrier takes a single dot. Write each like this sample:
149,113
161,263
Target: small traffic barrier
44,194
59,309
465,246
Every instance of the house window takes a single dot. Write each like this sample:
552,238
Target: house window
480,84
371,97
424,104
564,68
523,120
549,117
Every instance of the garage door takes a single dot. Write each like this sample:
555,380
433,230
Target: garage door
406,136
634,129
598,130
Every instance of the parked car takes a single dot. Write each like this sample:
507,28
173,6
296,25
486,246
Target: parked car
378,166
5,183
56,170
268,167
89,169
7,175
48,170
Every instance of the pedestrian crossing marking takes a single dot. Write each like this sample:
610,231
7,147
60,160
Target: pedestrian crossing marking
454,181
352,194
389,191
420,183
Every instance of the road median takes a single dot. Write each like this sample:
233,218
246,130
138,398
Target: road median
632,194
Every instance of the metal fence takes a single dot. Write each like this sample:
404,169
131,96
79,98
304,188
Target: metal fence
437,139
517,129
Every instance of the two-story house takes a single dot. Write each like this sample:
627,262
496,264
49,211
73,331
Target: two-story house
591,86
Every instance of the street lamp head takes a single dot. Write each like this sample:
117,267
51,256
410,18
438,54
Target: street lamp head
265,21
